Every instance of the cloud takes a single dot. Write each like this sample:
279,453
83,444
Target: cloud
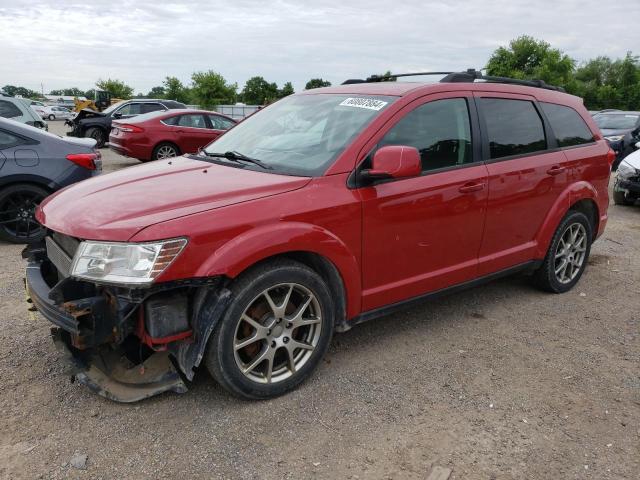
71,43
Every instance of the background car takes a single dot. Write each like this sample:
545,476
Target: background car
34,164
167,134
21,111
626,189
97,125
615,125
55,112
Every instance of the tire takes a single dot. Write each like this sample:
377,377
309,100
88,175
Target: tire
17,213
620,197
241,353
97,134
552,276
52,117
165,150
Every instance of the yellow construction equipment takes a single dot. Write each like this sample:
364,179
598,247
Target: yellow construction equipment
103,100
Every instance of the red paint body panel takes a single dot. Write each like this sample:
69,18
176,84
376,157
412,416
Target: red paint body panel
140,144
390,241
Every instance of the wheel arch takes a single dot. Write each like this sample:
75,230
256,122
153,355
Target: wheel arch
580,196
35,180
329,257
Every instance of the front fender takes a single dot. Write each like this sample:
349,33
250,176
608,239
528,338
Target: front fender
260,243
572,194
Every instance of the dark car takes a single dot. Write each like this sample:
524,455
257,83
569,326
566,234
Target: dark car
158,135
97,125
617,127
323,210
34,164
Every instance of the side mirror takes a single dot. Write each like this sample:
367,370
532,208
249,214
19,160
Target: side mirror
394,161
117,115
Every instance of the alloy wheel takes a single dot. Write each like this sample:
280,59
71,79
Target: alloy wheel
570,253
17,215
166,151
277,333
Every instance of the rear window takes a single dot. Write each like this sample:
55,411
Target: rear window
567,125
513,127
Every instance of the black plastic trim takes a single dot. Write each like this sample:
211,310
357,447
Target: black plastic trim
404,304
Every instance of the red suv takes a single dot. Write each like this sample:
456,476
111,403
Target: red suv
323,210
158,135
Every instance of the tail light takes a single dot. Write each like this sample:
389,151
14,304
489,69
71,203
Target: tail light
130,128
611,156
86,160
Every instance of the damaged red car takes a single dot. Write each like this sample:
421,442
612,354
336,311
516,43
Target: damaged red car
326,209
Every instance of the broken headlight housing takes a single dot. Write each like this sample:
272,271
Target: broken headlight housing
124,263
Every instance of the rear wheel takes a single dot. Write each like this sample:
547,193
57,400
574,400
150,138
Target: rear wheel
97,134
274,333
165,150
52,117
17,213
567,256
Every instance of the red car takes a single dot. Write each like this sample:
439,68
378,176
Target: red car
158,135
325,209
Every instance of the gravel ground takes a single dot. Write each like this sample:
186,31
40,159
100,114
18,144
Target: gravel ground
501,381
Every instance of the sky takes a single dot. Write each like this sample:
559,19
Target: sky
58,43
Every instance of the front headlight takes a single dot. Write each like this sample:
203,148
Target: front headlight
625,170
614,138
124,263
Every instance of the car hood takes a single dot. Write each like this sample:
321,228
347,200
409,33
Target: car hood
118,205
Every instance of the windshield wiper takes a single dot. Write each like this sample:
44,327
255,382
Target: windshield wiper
237,156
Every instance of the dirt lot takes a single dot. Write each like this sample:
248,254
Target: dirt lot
497,382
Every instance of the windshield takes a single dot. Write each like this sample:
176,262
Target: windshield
616,121
301,134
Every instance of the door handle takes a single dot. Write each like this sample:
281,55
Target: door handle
471,187
556,170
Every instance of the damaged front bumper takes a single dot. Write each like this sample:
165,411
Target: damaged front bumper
122,342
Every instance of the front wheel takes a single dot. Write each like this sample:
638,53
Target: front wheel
567,256
98,135
620,197
275,331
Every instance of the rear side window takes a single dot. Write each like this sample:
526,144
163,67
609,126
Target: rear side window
440,130
192,121
567,125
9,110
513,127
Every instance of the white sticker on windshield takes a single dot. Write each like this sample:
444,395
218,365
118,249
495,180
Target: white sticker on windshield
368,103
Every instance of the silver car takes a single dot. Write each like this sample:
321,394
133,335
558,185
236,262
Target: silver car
55,112
20,110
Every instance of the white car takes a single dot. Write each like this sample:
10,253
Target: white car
53,113
626,189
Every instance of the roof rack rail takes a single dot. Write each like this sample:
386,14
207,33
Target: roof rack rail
470,76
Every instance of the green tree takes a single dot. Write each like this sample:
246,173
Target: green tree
528,58
257,91
156,92
175,90
210,89
13,91
117,88
90,94
287,89
607,83
316,83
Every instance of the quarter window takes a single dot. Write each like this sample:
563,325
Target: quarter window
567,125
440,130
7,140
513,127
9,110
